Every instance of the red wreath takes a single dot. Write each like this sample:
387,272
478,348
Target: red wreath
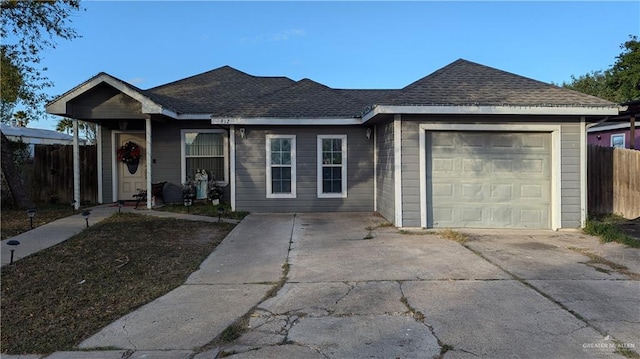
129,153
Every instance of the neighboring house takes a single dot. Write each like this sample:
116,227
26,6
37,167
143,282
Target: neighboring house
36,136
618,131
466,146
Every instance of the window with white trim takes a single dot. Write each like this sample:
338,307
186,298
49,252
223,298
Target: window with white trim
617,140
205,149
281,166
332,166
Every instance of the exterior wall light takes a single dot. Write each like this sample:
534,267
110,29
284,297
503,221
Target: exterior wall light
243,133
369,133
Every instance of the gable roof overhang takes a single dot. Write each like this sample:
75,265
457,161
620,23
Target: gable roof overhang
588,111
59,106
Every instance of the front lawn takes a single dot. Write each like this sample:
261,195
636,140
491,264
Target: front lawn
204,208
54,299
15,221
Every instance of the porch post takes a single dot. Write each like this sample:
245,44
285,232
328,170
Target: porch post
232,165
149,160
76,165
99,160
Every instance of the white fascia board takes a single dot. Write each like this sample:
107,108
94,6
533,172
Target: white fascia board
59,106
281,121
491,110
616,126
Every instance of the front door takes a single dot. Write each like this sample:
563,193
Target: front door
131,177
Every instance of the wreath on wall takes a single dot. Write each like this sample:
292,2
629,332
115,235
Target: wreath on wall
129,153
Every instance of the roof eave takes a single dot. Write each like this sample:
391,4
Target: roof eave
59,105
490,110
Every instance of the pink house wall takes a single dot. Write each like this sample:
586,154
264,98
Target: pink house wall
605,137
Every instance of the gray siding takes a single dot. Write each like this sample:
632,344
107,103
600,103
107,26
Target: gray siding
570,160
410,174
251,171
570,184
384,171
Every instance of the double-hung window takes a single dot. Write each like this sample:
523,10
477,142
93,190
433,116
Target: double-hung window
281,166
332,166
205,149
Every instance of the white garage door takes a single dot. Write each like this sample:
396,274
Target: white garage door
488,179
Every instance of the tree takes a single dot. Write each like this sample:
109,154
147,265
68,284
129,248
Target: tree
26,28
66,126
619,83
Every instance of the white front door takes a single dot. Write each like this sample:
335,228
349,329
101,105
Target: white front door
130,177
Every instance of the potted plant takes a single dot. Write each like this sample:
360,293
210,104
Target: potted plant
214,192
189,189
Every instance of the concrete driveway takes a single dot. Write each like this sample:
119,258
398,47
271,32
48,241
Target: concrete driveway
356,289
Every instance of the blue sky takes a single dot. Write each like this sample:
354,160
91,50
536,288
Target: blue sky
340,44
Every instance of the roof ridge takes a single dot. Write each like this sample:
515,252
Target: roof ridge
225,67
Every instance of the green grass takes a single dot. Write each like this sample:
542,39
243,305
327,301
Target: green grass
605,228
15,221
204,209
54,299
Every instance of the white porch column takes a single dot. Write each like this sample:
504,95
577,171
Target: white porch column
232,165
149,160
397,168
99,160
76,165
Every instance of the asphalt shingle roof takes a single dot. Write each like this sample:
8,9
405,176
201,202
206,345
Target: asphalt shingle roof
467,83
221,90
304,99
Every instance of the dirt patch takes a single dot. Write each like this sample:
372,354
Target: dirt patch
630,227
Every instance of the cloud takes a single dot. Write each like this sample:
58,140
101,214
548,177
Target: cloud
285,35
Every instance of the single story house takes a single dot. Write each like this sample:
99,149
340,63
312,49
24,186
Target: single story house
618,131
466,146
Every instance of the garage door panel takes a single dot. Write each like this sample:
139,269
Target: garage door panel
462,191
488,180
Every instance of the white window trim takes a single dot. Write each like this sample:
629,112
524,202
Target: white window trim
343,194
183,151
270,194
624,139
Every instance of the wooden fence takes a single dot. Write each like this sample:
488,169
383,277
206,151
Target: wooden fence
52,173
613,181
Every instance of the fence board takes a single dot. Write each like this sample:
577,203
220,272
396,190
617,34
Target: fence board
613,181
52,173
